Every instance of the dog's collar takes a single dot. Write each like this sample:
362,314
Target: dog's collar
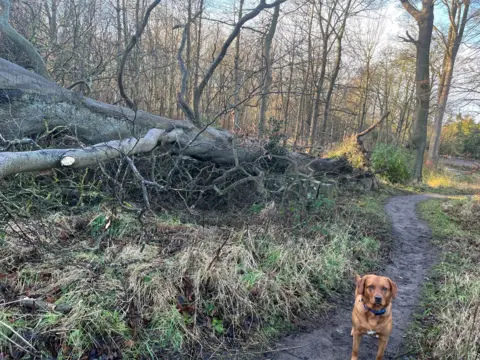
373,311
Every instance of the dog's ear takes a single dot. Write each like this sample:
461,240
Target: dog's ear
394,288
361,284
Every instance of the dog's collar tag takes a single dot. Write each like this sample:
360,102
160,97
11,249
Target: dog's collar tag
371,333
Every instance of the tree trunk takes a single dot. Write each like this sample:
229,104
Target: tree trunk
333,78
22,43
267,82
31,105
452,45
236,72
424,20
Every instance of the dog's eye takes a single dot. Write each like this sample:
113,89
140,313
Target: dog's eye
384,289
371,287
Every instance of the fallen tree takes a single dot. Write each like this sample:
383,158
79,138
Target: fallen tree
31,105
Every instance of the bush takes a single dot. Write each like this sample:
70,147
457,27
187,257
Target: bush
394,161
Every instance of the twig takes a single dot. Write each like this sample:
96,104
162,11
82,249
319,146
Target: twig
217,253
19,336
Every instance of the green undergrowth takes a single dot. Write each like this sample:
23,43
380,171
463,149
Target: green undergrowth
161,288
448,326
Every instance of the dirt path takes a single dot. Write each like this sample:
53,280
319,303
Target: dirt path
412,255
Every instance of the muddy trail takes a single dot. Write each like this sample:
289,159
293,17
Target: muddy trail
411,257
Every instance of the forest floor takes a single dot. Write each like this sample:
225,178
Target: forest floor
436,314
174,286
411,257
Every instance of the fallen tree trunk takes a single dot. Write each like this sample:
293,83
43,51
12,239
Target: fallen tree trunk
31,105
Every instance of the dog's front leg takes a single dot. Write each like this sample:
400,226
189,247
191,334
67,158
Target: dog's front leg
357,337
382,345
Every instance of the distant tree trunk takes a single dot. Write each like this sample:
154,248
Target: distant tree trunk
336,69
326,31
267,82
188,61
289,90
299,127
363,113
424,20
236,73
404,111
318,94
452,44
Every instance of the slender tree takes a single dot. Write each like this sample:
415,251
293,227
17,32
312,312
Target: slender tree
267,81
458,16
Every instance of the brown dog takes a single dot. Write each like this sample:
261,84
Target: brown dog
372,312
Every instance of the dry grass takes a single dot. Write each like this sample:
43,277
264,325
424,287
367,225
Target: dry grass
449,327
447,181
170,288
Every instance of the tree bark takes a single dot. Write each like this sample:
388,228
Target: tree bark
455,36
424,20
267,81
236,72
336,69
22,43
30,104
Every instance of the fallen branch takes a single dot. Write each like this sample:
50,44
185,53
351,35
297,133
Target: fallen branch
18,162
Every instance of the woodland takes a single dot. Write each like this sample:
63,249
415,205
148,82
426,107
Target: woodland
206,131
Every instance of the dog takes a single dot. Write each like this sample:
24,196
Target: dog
372,312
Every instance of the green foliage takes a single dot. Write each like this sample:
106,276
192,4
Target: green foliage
461,137
257,208
395,163
217,325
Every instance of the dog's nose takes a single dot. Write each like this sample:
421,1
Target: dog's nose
378,299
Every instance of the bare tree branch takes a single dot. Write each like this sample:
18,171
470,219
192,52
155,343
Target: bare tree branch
409,39
218,59
129,48
372,127
412,10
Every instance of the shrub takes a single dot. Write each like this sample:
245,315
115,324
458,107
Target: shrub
394,161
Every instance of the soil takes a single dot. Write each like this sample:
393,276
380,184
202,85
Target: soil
411,257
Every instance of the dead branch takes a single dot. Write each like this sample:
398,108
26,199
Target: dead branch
39,305
129,48
17,162
408,39
372,127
